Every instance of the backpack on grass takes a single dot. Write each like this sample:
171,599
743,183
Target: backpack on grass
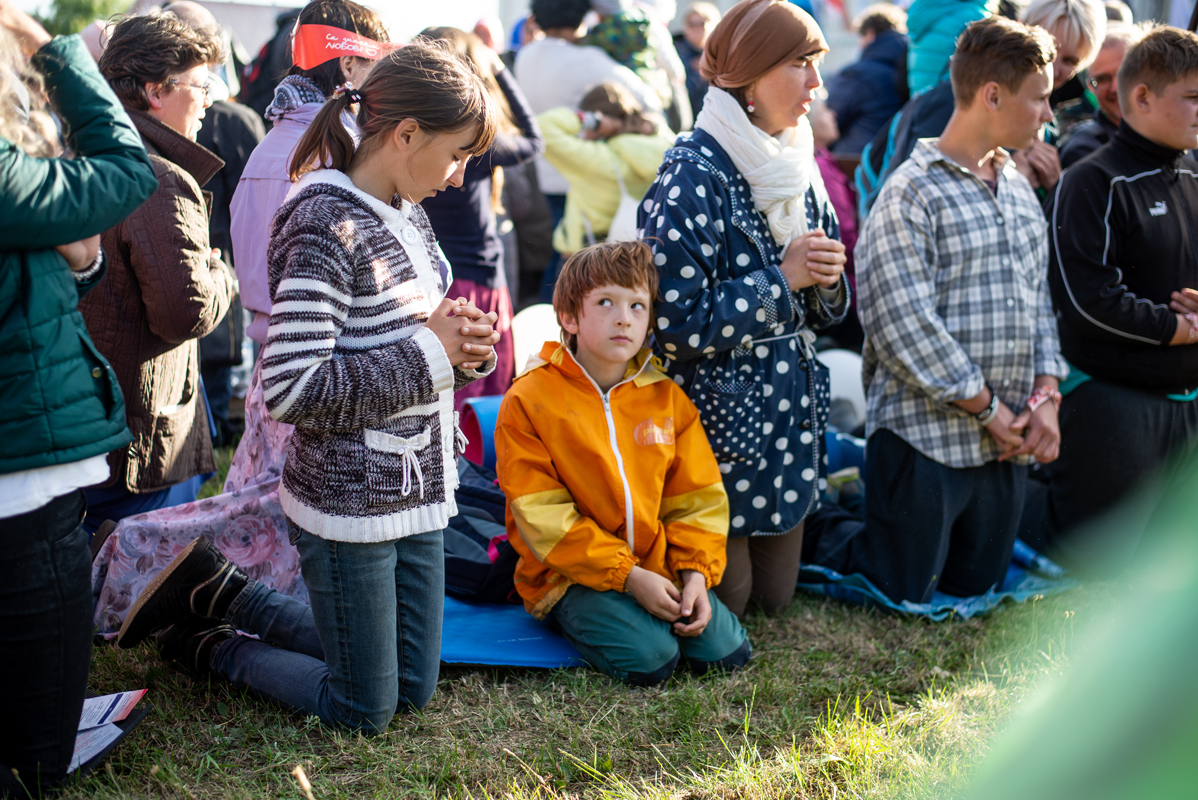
480,563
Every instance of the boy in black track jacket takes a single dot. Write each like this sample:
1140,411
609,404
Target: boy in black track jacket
1123,271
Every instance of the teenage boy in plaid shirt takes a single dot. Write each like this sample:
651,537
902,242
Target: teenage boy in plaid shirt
961,350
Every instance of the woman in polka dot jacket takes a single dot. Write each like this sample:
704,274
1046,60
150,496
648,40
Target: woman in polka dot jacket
737,309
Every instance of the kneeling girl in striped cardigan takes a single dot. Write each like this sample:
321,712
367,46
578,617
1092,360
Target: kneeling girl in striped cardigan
363,355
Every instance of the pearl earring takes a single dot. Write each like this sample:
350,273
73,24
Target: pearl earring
750,106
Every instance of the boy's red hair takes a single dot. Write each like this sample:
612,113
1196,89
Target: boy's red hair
626,264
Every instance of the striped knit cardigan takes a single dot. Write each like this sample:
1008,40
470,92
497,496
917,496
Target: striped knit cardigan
350,364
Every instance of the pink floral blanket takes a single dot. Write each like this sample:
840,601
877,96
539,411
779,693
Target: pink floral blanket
246,523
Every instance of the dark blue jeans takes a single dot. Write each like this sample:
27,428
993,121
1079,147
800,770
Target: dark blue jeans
45,642
369,645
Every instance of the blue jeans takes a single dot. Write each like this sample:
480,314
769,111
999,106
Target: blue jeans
620,638
369,645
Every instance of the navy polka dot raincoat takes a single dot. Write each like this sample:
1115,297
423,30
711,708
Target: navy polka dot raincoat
736,338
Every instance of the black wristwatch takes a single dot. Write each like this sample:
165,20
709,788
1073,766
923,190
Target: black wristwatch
987,415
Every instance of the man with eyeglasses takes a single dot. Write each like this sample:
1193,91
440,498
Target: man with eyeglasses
1090,136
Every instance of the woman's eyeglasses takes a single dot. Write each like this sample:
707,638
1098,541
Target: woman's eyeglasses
205,87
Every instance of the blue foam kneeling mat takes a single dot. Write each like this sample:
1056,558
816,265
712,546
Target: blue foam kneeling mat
502,636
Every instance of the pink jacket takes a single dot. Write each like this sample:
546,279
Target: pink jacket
260,192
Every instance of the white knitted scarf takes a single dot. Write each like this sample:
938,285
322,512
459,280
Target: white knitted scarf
779,169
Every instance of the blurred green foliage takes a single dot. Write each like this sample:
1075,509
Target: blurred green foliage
64,17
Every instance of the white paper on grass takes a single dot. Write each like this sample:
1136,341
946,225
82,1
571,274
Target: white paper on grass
99,711
91,742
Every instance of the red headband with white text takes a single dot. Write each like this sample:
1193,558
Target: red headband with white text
312,45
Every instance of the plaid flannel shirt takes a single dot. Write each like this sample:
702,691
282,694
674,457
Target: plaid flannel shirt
953,296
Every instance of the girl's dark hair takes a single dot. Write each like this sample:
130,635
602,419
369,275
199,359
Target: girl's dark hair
471,48
343,14
425,82
151,48
468,46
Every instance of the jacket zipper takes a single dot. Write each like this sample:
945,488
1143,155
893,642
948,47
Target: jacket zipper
629,532
605,397
1181,196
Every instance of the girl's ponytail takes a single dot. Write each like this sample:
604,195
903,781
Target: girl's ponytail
424,81
326,144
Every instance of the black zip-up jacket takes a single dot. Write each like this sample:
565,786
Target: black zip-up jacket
1122,223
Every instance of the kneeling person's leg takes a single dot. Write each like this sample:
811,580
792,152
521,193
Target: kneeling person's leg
723,644
352,587
910,506
984,534
617,636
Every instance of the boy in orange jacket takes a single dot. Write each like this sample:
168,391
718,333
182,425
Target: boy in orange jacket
615,501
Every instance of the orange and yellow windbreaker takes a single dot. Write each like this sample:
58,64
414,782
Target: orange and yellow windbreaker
597,484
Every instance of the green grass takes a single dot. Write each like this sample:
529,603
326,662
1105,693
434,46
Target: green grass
837,702
215,484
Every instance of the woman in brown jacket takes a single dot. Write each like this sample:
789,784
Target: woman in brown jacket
165,286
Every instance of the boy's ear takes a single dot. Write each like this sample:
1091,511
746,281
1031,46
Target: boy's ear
568,322
990,94
1140,99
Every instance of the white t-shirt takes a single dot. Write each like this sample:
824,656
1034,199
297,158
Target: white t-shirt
553,73
29,490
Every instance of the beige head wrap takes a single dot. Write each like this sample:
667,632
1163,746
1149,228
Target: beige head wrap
756,36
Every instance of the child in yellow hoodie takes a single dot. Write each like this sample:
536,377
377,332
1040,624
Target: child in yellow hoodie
607,150
615,501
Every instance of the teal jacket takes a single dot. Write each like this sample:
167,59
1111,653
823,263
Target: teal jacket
59,399
933,27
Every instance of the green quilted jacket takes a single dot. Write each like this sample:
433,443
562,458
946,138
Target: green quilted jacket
59,399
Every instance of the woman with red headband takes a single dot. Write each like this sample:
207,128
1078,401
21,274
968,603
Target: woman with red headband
264,184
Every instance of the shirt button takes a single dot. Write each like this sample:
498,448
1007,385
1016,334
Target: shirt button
999,220
1006,262
97,372
409,235
1011,345
1006,381
1010,302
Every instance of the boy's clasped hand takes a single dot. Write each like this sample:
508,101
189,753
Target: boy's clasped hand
689,609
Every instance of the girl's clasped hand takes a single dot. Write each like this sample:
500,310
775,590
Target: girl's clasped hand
469,345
